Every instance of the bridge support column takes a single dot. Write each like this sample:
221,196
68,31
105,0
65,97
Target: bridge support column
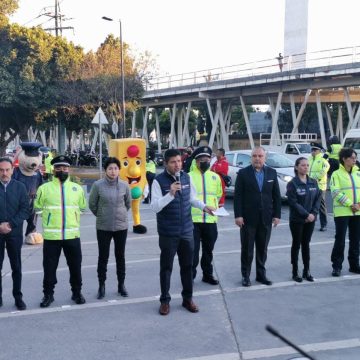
328,115
172,139
180,119
144,131
158,135
133,124
320,117
301,111
247,122
275,117
185,134
339,124
351,111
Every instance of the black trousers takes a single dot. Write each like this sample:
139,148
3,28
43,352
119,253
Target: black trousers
104,240
342,223
13,248
259,236
206,234
149,178
184,248
301,236
51,254
322,210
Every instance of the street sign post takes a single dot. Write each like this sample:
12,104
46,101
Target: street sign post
100,119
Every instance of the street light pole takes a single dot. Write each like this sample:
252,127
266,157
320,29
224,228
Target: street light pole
122,75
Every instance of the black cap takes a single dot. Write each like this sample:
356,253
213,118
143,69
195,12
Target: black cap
316,146
31,148
61,160
202,151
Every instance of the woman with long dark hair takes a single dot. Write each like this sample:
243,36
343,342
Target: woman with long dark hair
304,199
110,201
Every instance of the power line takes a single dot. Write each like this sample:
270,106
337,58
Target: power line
59,18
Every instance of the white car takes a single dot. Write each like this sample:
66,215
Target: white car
241,158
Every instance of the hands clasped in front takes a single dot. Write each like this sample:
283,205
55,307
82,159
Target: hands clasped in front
239,221
5,228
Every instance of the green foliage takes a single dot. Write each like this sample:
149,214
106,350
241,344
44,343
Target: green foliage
44,79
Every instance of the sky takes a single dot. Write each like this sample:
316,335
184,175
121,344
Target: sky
192,35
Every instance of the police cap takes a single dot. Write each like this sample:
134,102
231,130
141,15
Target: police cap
316,146
61,160
31,148
202,151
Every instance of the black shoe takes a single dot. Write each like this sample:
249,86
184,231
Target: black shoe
122,290
78,298
307,276
101,291
210,280
323,228
19,303
264,280
355,269
336,272
297,278
246,282
139,229
46,301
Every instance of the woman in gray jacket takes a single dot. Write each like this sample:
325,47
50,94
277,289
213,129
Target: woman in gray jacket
110,201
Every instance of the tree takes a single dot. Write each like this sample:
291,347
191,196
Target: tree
7,7
32,64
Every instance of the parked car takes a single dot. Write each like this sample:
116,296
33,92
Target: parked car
159,159
241,158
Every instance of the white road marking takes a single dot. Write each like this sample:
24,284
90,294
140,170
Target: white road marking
286,350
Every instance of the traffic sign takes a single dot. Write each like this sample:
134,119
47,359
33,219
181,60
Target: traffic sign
100,118
115,127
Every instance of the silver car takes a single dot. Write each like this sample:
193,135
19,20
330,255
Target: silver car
241,158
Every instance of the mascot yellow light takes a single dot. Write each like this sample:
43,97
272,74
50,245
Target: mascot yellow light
132,156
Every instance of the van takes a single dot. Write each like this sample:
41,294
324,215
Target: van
352,139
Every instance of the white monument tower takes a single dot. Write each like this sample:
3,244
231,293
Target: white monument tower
296,32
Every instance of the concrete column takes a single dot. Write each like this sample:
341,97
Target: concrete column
133,124
321,120
172,140
247,122
328,115
144,131
158,135
301,111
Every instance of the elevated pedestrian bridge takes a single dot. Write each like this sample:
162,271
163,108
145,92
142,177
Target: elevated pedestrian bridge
331,76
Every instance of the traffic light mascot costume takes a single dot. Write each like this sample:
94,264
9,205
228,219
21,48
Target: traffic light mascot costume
132,156
30,159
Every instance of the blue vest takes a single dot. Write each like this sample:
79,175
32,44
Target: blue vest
175,218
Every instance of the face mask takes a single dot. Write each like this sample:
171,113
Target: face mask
204,166
189,152
61,175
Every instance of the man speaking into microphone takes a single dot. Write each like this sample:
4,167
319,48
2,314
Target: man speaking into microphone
173,195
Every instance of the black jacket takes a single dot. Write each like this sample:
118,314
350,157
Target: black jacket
303,199
14,206
255,205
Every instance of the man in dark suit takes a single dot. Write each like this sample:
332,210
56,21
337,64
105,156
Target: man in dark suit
257,206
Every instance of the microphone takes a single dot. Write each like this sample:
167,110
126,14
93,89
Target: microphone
274,332
177,177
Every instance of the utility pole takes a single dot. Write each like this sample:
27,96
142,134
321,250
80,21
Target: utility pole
58,17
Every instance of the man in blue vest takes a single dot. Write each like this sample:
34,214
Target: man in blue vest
173,195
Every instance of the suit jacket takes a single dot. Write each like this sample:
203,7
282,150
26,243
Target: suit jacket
255,205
